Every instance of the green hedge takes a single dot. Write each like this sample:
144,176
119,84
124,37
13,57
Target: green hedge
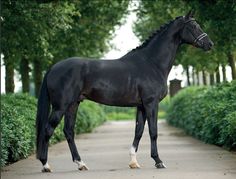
163,107
119,113
207,113
129,113
18,113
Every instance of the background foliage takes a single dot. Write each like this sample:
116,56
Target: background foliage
206,113
18,113
128,113
37,35
119,113
215,17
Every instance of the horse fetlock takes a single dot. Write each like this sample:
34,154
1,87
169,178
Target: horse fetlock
132,151
156,158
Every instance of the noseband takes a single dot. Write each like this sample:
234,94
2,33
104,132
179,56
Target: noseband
198,38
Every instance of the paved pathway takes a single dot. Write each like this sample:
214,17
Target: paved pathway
105,151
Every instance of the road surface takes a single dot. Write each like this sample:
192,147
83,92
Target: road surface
105,151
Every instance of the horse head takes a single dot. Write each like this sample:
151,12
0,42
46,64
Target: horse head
193,34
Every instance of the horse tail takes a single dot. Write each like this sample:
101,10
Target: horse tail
43,109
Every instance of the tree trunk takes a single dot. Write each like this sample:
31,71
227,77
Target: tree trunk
217,75
204,77
24,71
37,76
198,78
9,78
188,76
193,77
224,73
212,79
232,65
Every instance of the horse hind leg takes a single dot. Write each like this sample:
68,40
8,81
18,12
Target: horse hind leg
70,118
54,120
140,123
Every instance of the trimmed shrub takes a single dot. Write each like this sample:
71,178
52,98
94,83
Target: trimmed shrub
163,107
119,113
206,113
89,116
228,131
18,132
129,113
17,127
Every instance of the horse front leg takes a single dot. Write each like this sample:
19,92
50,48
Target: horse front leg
151,110
139,127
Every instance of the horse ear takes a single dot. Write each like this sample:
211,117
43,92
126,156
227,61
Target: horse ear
190,14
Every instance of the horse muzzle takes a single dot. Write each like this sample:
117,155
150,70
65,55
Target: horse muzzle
208,46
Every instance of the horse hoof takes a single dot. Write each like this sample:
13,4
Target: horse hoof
81,165
160,165
46,170
83,168
134,165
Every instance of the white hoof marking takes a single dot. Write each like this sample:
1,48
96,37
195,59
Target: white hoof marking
133,162
134,165
81,165
46,168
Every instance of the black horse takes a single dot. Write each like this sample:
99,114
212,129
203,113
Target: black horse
138,79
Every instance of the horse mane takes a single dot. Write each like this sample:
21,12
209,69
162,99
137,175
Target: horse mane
156,33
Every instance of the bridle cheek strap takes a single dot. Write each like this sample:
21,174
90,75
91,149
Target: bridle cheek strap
200,37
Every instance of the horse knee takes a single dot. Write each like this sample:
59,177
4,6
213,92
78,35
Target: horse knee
43,160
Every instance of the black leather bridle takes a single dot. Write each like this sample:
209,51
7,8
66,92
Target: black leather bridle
198,38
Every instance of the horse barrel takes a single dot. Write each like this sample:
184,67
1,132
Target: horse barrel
175,86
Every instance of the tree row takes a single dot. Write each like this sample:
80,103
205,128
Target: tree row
37,35
216,17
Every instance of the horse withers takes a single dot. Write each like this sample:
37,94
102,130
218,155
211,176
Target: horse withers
138,79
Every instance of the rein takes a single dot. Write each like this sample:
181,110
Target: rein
198,38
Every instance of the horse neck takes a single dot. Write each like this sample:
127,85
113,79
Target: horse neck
161,51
